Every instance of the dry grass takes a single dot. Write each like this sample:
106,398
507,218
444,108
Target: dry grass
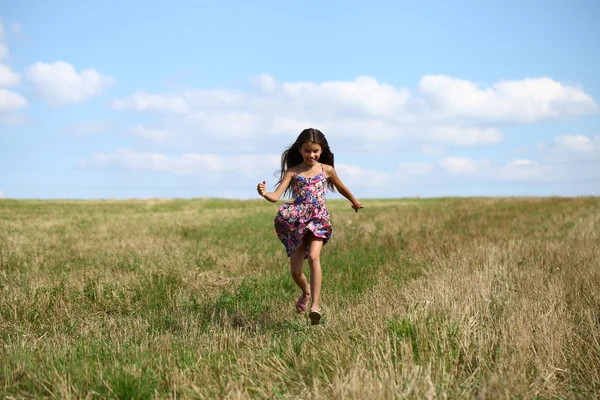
443,298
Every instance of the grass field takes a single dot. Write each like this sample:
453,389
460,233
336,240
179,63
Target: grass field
424,298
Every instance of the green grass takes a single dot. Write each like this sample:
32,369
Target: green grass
458,298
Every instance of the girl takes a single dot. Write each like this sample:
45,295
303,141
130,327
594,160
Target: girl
303,226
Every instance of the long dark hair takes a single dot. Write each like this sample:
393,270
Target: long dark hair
292,157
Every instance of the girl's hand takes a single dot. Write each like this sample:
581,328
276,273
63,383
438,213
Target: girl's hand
261,188
357,206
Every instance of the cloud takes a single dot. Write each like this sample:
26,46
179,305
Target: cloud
578,143
1,194
459,165
186,164
3,46
527,100
60,84
444,111
568,159
232,123
572,152
88,128
11,101
370,129
431,150
551,166
519,170
13,119
220,169
363,95
3,52
146,102
149,133
466,136
520,163
355,175
16,30
8,77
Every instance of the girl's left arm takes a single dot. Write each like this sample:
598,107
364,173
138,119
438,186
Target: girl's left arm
344,191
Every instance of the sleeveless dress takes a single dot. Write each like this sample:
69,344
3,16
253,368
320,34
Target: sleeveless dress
306,213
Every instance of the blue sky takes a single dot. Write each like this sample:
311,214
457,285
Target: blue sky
135,99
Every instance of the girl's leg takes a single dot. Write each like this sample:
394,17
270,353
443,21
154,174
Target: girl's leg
314,261
296,263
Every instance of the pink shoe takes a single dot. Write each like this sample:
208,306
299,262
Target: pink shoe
302,303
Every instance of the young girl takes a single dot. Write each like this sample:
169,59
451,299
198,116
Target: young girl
303,226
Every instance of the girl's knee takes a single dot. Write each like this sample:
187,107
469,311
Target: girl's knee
314,257
296,274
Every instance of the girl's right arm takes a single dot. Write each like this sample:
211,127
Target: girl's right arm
280,190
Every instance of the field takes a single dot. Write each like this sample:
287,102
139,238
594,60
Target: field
480,298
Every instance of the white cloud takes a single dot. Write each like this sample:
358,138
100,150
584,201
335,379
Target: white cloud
184,102
1,194
459,165
520,163
520,170
466,136
527,100
568,159
355,175
447,111
88,128
578,143
60,84
3,52
149,133
11,101
16,30
554,170
187,164
431,150
161,103
230,123
8,77
363,95
3,46
350,127
266,83
215,168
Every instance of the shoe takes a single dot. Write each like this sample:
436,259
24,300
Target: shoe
315,316
302,304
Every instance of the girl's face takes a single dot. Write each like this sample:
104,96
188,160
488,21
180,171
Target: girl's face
310,153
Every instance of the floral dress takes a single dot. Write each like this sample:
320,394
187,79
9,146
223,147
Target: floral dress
306,213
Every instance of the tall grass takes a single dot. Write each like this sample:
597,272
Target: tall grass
441,298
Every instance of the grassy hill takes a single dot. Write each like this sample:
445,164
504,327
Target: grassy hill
423,298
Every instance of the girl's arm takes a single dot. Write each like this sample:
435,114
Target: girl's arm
341,187
283,185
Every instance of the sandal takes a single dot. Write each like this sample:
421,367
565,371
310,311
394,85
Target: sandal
302,303
315,316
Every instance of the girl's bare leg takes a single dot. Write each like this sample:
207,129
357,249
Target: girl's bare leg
296,263
314,261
